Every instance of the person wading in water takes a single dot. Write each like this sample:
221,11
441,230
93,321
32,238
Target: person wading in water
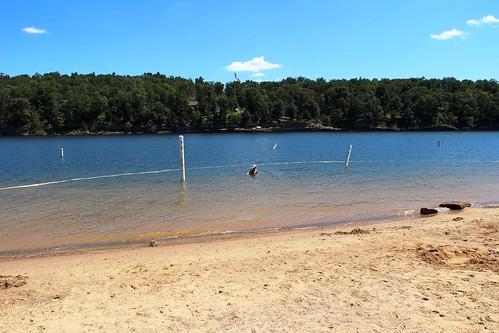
253,171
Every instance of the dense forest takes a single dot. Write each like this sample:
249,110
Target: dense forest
87,103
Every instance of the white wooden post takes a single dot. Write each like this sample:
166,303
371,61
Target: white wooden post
182,158
61,152
347,162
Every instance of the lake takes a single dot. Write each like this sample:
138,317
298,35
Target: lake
112,190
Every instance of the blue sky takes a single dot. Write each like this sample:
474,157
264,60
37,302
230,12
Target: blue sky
212,38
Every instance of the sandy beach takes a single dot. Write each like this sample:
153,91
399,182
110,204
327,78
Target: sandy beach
433,274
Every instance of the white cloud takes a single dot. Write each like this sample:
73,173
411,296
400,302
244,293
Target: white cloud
34,30
473,22
449,34
489,19
256,64
258,74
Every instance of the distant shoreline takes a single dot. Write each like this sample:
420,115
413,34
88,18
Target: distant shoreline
255,130
153,103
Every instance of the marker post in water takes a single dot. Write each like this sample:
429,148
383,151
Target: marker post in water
61,152
347,162
182,158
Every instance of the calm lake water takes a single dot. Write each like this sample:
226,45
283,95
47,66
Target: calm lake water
302,182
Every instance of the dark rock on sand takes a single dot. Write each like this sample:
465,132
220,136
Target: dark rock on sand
356,231
8,281
455,205
428,211
153,243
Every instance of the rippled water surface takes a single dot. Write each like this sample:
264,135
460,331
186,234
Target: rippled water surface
48,202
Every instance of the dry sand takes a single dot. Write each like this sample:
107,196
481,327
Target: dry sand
437,274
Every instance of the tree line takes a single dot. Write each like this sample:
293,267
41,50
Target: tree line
87,103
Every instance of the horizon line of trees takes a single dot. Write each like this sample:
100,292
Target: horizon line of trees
57,104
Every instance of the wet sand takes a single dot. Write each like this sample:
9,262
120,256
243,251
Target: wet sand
434,274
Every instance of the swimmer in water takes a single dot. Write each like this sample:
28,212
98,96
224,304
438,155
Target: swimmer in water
253,171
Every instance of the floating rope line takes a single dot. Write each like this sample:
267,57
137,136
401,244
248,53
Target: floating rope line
55,182
300,162
87,178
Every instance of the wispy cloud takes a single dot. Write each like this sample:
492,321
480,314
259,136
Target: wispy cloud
489,19
473,22
34,30
449,34
258,74
256,64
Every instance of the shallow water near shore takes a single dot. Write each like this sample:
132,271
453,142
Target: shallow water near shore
52,202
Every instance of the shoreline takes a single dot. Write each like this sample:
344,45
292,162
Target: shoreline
80,248
207,238
255,130
429,274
